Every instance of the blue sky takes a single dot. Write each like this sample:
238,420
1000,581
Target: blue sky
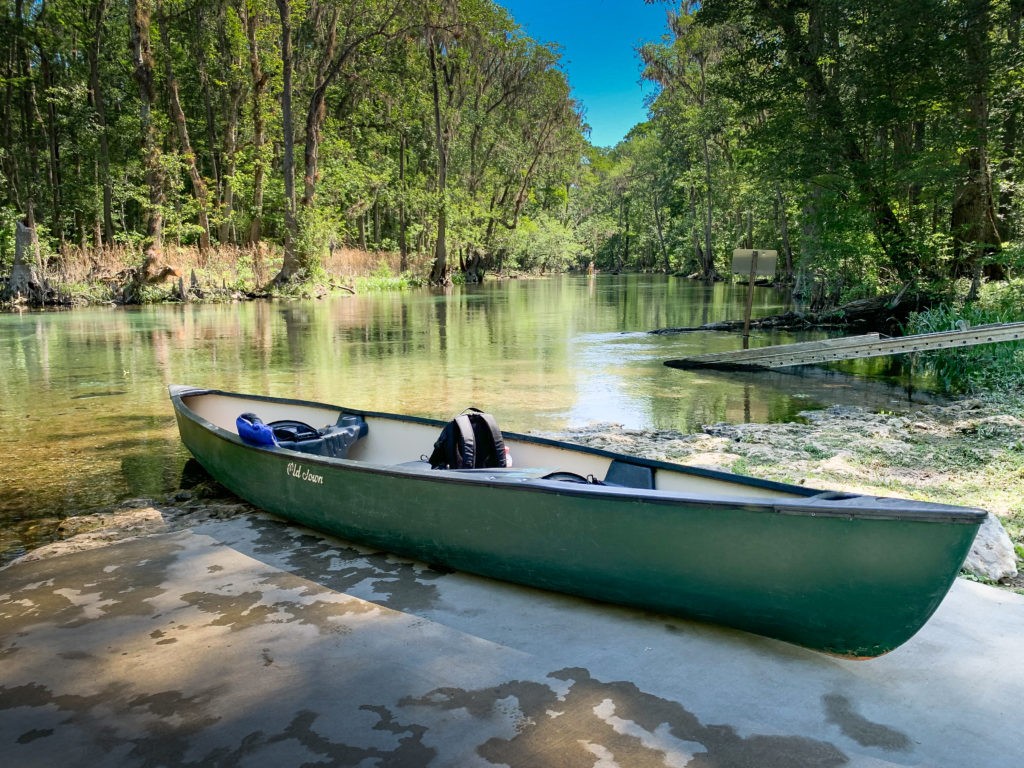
599,39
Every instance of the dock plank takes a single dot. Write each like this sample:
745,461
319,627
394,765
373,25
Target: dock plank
850,347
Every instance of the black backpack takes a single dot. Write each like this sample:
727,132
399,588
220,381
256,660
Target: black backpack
470,441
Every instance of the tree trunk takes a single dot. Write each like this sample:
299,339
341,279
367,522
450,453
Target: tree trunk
28,112
624,258
234,105
25,281
403,244
140,12
96,93
197,18
8,158
1011,133
973,223
53,145
290,266
707,267
787,248
316,112
199,189
698,252
439,270
259,86
656,205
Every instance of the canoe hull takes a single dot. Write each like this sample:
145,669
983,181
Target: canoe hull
841,583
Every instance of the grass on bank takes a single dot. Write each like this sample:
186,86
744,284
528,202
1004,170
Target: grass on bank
223,273
983,368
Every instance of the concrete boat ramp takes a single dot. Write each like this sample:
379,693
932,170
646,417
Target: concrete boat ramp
249,642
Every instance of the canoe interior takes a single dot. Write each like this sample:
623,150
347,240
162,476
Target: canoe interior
396,441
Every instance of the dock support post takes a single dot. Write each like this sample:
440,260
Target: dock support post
750,300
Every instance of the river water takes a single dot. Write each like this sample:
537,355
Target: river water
85,421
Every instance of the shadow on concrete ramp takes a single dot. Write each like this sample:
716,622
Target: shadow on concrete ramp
251,642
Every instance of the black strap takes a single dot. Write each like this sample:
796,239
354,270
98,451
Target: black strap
496,438
469,441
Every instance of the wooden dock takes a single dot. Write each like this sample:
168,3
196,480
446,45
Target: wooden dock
850,347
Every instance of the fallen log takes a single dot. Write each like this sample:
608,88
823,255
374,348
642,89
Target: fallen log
882,314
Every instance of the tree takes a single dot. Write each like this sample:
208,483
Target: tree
446,58
199,188
292,263
861,111
95,16
502,118
142,60
973,219
339,35
683,70
250,13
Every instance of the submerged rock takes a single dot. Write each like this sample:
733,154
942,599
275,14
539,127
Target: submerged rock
134,518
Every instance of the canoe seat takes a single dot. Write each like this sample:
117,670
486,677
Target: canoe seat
331,442
629,475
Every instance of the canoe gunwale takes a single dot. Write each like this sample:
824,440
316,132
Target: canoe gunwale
815,503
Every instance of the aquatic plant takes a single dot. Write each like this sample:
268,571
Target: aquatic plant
980,368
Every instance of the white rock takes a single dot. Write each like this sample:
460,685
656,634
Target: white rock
992,556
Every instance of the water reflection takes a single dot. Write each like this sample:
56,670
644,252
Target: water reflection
85,419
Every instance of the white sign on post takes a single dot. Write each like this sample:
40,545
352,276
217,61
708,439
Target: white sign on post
766,261
753,263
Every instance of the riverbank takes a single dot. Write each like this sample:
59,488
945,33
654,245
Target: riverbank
78,277
90,277
968,452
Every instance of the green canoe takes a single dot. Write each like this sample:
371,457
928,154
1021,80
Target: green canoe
842,573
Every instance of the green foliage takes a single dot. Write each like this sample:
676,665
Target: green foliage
841,135
87,293
8,219
383,279
156,294
318,228
740,466
362,109
542,244
979,368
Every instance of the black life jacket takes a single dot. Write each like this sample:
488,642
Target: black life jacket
470,441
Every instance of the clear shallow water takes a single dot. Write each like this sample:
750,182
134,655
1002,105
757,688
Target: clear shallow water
85,420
